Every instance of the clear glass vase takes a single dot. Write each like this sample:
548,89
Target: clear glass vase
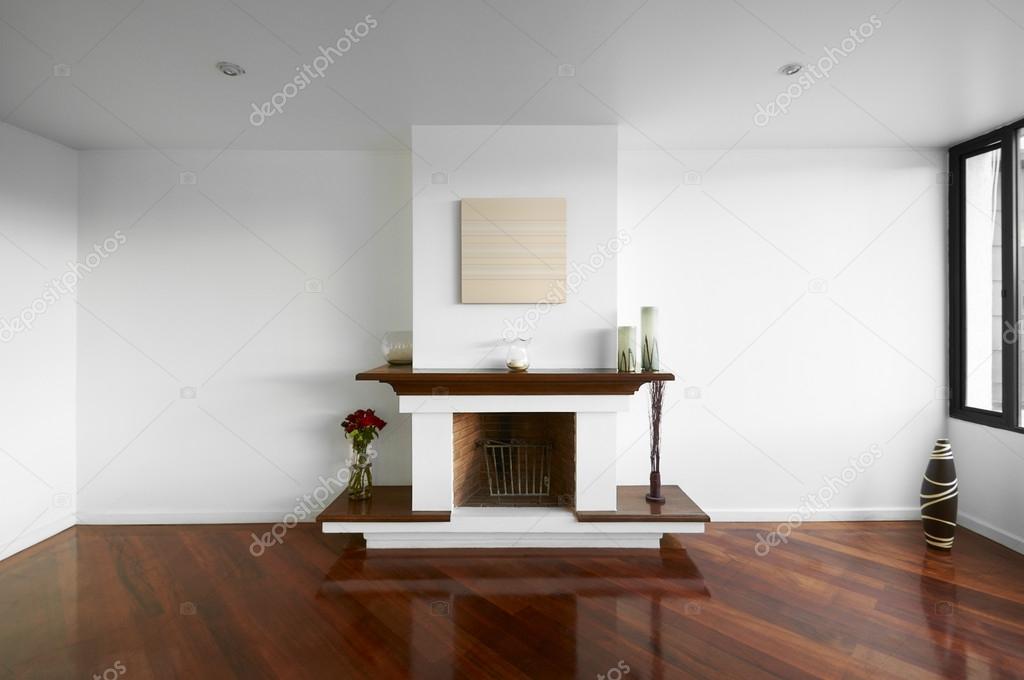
360,483
518,357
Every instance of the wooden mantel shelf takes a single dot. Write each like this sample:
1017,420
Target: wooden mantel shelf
406,380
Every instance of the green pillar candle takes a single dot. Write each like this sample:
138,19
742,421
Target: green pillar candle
649,359
627,349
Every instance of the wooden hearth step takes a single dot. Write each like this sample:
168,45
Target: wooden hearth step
633,507
394,504
388,504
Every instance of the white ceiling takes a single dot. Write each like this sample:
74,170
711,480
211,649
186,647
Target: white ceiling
671,73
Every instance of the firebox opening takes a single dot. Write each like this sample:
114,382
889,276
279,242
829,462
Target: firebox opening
515,459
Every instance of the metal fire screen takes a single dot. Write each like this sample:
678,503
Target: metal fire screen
517,468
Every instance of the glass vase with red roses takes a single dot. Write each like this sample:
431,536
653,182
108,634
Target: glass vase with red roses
362,427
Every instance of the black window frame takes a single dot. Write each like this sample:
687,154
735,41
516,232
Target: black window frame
1005,139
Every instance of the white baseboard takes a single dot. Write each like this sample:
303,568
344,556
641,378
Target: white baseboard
827,515
988,531
40,533
209,517
717,515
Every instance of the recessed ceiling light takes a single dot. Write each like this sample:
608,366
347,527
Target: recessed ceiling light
229,69
791,69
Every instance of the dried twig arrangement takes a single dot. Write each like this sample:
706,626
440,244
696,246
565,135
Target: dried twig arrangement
657,399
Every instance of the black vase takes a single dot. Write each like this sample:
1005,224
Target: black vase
939,497
655,493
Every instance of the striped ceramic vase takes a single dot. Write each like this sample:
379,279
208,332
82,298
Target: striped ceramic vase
939,497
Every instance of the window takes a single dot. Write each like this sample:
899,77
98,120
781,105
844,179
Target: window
984,279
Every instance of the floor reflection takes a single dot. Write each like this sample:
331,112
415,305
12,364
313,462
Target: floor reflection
939,602
585,615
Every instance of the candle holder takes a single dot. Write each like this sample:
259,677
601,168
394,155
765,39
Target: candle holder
397,347
518,357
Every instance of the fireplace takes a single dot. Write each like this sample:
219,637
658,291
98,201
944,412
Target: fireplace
514,459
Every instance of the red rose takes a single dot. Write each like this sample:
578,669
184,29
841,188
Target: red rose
362,419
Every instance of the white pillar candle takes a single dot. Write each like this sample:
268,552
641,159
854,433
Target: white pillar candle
649,359
627,349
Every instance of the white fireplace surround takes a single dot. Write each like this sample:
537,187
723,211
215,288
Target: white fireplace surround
432,447
513,527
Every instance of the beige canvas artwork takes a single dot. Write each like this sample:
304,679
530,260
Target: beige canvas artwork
513,250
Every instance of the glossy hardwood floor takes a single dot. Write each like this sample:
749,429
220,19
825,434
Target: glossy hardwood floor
843,600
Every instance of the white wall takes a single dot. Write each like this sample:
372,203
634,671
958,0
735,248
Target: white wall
802,299
990,467
213,372
802,296
478,161
38,197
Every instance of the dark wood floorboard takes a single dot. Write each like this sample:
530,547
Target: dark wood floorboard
838,600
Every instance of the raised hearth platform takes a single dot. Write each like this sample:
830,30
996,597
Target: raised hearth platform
388,521
388,504
632,506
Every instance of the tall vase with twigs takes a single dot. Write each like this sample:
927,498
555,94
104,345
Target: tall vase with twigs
657,389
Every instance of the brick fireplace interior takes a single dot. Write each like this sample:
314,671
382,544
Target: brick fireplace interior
514,459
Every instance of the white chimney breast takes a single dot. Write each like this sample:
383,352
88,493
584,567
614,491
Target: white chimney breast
577,162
